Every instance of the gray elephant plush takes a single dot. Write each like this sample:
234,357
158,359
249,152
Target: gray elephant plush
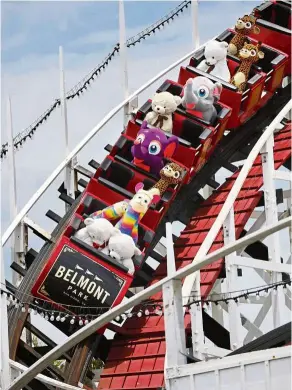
199,95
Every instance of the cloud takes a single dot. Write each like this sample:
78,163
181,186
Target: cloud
14,41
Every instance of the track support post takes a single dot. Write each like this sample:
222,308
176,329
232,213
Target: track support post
231,277
197,321
173,310
18,240
195,23
271,210
124,60
70,176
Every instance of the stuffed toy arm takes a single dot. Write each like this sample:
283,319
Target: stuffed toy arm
203,66
83,235
105,251
130,265
189,99
150,116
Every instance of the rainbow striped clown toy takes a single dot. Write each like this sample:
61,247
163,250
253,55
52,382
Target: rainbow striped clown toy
137,207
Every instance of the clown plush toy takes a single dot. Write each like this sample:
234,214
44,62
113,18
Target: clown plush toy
138,206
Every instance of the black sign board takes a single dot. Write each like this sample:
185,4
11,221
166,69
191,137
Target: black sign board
76,279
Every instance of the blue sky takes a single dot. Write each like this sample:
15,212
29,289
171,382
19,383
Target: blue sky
39,27
67,22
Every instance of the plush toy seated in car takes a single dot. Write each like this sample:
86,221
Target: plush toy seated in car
151,147
199,96
138,206
121,248
163,106
96,231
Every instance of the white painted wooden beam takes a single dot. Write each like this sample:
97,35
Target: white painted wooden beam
282,175
261,264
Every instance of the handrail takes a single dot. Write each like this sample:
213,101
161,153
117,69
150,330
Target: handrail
42,378
82,143
118,310
209,239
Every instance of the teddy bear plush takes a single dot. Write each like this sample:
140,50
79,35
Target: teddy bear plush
122,248
96,231
215,61
163,106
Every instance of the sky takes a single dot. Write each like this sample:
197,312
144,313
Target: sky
31,35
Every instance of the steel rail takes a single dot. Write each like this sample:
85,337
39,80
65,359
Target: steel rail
104,319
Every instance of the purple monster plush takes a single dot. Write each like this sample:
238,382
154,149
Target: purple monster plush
150,148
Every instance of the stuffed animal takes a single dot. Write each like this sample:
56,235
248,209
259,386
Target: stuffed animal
122,248
138,206
163,106
150,148
170,174
249,54
199,95
243,27
215,61
96,231
113,212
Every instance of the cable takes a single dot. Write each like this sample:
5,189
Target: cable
82,85
229,296
147,308
77,313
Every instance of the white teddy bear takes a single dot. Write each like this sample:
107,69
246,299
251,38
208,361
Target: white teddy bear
163,105
215,61
96,231
122,248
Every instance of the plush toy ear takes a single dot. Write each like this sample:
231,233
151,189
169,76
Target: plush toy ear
217,90
251,18
144,125
256,30
139,187
261,54
177,100
115,232
224,44
155,193
171,147
88,221
156,198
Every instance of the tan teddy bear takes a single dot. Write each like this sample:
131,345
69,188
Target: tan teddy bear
163,106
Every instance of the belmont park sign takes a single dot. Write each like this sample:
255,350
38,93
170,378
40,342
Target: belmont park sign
79,280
